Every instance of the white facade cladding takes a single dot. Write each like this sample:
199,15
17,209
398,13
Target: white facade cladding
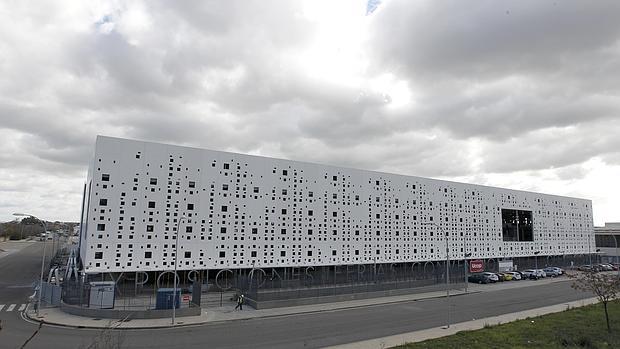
243,211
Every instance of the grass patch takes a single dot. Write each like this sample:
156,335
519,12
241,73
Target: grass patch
582,327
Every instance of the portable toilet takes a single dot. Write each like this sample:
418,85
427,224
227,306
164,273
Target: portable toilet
165,297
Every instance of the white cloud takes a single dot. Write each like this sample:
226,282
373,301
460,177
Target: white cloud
522,94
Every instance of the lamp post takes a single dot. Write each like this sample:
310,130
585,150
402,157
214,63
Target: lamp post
466,270
589,250
174,277
447,269
536,262
42,259
617,256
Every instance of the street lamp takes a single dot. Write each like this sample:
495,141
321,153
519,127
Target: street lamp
42,259
174,277
617,256
536,261
466,271
447,268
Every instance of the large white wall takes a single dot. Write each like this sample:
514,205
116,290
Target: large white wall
250,210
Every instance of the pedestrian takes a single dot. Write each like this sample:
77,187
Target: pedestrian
240,300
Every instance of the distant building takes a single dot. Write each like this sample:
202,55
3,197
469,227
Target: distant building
607,241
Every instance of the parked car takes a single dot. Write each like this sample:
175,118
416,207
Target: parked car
585,267
479,278
507,276
530,274
500,277
516,276
492,276
606,267
552,271
541,273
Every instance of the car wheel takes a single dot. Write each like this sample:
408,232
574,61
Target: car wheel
479,281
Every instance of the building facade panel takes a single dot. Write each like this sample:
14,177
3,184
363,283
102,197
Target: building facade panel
243,211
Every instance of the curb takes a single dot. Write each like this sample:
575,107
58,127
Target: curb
222,321
335,309
115,324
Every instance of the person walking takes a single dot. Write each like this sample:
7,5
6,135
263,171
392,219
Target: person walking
240,300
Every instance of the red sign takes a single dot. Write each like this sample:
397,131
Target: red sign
476,266
185,298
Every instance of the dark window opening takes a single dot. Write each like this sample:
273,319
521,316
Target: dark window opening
517,225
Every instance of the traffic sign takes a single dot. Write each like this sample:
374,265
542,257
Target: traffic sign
476,266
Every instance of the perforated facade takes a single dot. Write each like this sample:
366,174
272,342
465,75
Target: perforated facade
243,211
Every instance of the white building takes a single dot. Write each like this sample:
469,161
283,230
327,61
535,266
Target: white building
243,211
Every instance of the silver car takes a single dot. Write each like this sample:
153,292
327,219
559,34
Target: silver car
491,276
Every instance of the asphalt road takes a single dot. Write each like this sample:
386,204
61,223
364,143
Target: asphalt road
304,330
18,271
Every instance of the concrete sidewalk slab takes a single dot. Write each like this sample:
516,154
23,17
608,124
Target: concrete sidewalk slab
55,316
437,332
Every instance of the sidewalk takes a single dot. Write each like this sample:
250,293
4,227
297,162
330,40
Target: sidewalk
55,316
226,313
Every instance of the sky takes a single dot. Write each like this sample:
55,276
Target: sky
517,94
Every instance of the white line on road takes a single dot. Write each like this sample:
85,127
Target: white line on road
11,307
1,307
22,307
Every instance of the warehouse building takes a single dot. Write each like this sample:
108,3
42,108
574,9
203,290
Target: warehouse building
236,212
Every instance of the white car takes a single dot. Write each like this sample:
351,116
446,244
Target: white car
534,273
515,275
492,276
541,273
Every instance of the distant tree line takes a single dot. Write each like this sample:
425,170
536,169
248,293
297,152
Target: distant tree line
28,226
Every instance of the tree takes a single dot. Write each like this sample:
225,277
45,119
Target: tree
605,286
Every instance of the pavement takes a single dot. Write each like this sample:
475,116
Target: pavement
57,317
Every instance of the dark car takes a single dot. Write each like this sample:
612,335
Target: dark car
480,278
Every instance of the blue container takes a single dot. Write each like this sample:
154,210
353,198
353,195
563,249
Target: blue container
165,296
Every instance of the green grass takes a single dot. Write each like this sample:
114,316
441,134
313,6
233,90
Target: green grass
582,327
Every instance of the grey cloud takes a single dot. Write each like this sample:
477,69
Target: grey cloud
489,38
491,83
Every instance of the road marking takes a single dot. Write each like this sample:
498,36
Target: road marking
11,307
1,307
22,307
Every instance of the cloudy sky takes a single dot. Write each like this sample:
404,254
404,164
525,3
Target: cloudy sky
518,94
